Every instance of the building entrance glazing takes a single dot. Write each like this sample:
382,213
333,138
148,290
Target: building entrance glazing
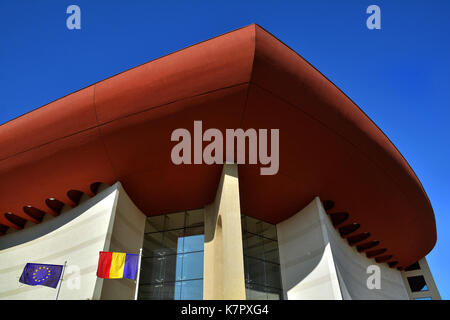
261,260
172,262
173,254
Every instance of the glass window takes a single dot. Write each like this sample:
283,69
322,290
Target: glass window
273,278
153,243
167,291
261,260
253,246
149,292
192,265
195,218
152,270
193,242
154,224
274,294
269,231
174,221
255,292
172,262
158,269
271,251
253,225
173,254
256,272
414,266
192,290
170,267
417,283
173,241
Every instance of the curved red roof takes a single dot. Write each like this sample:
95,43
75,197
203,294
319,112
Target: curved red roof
119,129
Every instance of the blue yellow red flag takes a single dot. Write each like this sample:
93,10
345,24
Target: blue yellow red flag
116,265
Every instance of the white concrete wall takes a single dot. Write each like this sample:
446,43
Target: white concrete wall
127,236
316,263
76,236
306,261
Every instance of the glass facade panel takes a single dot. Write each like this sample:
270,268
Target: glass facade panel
192,290
194,218
255,292
271,251
253,246
167,292
173,241
193,239
417,283
261,260
252,225
155,224
255,271
273,278
273,294
192,266
269,231
153,242
152,267
174,221
149,292
173,254
172,262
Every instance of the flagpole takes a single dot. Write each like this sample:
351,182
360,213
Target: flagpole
62,278
138,275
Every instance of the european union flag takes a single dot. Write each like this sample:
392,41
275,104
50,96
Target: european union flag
41,274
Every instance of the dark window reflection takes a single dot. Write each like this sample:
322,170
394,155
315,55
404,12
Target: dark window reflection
417,283
172,262
261,260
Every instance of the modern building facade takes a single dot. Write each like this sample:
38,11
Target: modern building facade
92,172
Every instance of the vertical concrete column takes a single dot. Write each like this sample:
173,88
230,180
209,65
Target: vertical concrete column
223,256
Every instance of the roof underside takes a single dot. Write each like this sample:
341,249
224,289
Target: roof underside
119,130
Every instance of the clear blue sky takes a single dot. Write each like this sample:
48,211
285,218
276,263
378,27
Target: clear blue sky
398,75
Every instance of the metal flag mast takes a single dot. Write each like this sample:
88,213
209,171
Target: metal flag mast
62,278
138,275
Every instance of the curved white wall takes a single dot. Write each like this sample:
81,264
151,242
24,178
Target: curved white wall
107,222
316,263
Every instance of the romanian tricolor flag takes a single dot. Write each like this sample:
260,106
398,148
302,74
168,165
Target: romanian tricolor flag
116,265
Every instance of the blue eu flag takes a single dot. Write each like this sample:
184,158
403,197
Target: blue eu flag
41,274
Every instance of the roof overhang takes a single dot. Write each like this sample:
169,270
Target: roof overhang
119,130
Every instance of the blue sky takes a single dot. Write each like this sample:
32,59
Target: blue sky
398,75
